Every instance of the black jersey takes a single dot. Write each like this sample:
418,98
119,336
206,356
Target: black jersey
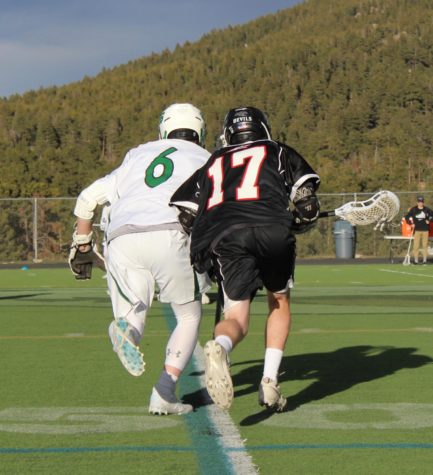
420,218
242,186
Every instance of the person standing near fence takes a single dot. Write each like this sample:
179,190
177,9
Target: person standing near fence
146,246
419,217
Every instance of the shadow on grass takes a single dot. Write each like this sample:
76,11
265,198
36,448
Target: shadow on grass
21,296
331,372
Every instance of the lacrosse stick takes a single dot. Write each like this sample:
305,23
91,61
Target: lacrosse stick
381,208
219,306
406,261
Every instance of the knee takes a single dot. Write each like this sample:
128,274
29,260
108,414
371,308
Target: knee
278,300
189,313
232,327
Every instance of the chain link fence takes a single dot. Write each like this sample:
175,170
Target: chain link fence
40,229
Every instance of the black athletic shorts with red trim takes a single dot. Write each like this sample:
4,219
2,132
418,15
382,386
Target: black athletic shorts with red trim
251,258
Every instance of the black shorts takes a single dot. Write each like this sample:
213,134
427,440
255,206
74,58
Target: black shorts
255,257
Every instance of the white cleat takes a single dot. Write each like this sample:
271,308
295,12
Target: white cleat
270,395
217,375
125,344
161,407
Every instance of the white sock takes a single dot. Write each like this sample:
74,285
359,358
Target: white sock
273,357
225,342
182,341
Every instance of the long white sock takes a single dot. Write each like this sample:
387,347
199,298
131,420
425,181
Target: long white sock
225,342
273,357
183,339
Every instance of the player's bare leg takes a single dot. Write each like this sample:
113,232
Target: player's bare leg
228,333
277,332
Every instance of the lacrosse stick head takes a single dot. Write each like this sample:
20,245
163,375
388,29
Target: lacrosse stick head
381,208
406,260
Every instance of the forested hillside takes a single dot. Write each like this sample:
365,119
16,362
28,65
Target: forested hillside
348,83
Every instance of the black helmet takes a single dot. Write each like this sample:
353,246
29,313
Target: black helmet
245,124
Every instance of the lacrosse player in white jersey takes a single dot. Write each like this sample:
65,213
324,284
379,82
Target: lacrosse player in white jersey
146,246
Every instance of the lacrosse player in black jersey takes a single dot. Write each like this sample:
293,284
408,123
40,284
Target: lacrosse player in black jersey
242,231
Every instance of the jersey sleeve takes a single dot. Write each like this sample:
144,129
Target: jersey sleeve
188,194
297,170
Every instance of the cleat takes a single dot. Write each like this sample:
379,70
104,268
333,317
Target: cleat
161,407
270,395
217,374
125,340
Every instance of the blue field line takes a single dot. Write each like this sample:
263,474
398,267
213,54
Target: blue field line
120,448
175,448
341,446
211,455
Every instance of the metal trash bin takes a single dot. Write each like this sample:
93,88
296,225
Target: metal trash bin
345,239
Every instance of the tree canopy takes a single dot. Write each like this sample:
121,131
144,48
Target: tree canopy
347,83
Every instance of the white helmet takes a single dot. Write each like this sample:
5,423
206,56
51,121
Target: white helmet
182,121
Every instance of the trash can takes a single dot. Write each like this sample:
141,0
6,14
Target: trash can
345,239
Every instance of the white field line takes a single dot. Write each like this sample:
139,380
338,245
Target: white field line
230,438
406,273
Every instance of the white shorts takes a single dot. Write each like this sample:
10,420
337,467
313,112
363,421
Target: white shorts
135,262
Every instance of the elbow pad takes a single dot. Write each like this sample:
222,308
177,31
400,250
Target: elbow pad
85,206
90,198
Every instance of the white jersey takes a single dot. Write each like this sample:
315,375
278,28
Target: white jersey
139,190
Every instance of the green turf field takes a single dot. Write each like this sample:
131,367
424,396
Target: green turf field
357,370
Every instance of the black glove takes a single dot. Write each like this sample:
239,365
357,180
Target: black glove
81,261
301,228
186,218
307,208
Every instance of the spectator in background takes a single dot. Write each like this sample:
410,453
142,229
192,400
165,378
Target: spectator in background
419,218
